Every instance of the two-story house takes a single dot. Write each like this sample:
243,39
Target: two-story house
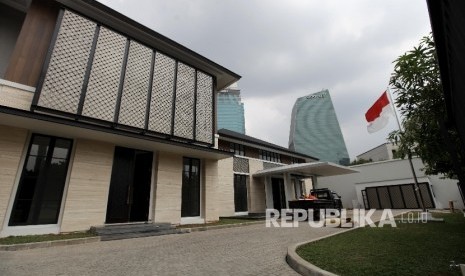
102,120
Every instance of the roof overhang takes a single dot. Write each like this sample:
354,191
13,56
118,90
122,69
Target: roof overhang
310,169
231,136
121,23
448,26
74,129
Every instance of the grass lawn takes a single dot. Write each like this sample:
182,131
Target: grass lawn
409,249
41,238
222,221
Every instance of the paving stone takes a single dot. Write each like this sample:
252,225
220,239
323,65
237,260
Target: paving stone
249,250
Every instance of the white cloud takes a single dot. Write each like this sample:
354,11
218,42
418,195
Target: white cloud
287,49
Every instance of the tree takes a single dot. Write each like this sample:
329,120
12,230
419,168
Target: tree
420,100
360,161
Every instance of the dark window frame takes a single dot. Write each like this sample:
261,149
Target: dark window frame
238,149
240,200
269,156
188,200
41,182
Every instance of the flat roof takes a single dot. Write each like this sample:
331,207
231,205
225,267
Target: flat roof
313,169
245,138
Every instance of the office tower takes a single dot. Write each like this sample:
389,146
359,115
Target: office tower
231,110
315,130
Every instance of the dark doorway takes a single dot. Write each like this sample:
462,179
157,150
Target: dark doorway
190,203
240,193
279,195
129,196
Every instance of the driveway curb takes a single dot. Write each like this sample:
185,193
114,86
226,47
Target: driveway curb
45,244
224,226
302,266
306,268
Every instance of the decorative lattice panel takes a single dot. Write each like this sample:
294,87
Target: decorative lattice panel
267,165
372,198
240,165
63,81
427,200
384,200
184,111
409,197
161,104
204,110
396,197
136,84
104,79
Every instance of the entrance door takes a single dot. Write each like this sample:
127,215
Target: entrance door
279,195
240,193
129,196
190,202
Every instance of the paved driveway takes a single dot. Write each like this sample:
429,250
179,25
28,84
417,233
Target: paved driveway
249,250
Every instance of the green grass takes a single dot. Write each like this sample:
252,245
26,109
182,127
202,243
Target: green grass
41,238
408,249
222,221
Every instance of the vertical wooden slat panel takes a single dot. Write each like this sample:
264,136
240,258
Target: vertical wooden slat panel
32,45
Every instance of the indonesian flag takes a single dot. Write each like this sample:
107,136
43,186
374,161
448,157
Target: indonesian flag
378,114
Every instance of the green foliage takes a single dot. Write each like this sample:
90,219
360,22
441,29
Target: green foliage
360,161
420,100
408,249
47,237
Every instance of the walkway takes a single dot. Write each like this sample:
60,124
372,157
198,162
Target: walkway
249,250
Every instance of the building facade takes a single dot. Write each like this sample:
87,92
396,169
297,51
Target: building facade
389,184
386,151
231,110
263,175
315,129
102,121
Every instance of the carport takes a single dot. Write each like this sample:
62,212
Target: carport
288,182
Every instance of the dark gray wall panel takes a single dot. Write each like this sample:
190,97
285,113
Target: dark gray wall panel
184,112
162,94
136,85
204,110
65,75
86,67
102,90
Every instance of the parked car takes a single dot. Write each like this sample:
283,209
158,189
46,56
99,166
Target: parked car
319,199
325,193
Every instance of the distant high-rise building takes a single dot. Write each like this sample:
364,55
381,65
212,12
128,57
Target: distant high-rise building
230,113
315,130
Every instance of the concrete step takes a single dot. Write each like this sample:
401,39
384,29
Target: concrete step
121,236
134,230
130,228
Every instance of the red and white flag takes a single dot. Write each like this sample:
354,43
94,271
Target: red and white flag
378,114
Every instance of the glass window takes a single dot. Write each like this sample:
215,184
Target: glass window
40,189
299,188
269,156
238,149
240,193
190,204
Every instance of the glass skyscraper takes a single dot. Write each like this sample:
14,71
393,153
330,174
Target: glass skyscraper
315,130
230,113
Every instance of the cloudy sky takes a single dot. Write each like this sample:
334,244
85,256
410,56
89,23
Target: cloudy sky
290,48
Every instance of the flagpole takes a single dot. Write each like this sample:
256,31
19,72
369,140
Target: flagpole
409,154
394,108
